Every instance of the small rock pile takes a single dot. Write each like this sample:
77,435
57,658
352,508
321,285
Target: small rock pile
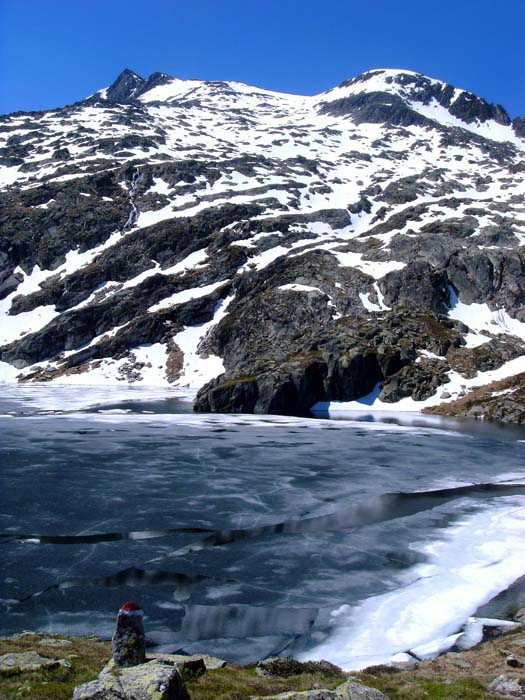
130,675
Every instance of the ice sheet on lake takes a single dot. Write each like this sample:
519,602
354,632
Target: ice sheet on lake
473,561
39,397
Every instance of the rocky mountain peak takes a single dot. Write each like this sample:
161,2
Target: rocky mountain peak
426,98
126,87
155,80
129,86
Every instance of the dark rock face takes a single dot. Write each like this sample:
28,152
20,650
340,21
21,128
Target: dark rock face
417,88
346,365
420,285
375,108
126,87
469,108
518,125
9,281
283,392
352,374
306,251
418,382
42,237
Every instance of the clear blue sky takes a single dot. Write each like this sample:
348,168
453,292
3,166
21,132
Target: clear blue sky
54,52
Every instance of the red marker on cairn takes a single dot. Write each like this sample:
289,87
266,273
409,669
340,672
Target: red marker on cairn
128,641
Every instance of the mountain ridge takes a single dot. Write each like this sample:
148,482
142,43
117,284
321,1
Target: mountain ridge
461,103
312,248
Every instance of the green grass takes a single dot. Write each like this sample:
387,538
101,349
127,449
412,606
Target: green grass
86,656
241,379
241,683
407,686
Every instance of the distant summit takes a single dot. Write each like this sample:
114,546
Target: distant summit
415,91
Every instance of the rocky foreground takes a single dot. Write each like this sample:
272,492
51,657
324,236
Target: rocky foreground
272,251
49,667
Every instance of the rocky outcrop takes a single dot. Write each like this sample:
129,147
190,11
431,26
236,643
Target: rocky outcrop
346,364
518,125
194,663
375,108
502,401
126,87
419,89
130,675
155,680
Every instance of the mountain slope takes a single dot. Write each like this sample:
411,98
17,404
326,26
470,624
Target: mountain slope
314,249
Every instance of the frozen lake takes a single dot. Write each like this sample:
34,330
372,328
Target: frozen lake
248,536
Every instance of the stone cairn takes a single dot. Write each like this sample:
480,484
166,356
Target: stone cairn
128,643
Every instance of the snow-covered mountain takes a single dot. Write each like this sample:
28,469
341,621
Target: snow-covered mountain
272,250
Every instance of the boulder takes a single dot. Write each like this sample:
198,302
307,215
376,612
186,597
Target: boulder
347,691
513,661
506,687
155,680
29,661
356,691
56,643
193,663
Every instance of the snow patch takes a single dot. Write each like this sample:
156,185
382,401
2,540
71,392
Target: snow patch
299,288
375,268
160,186
480,318
187,295
198,370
